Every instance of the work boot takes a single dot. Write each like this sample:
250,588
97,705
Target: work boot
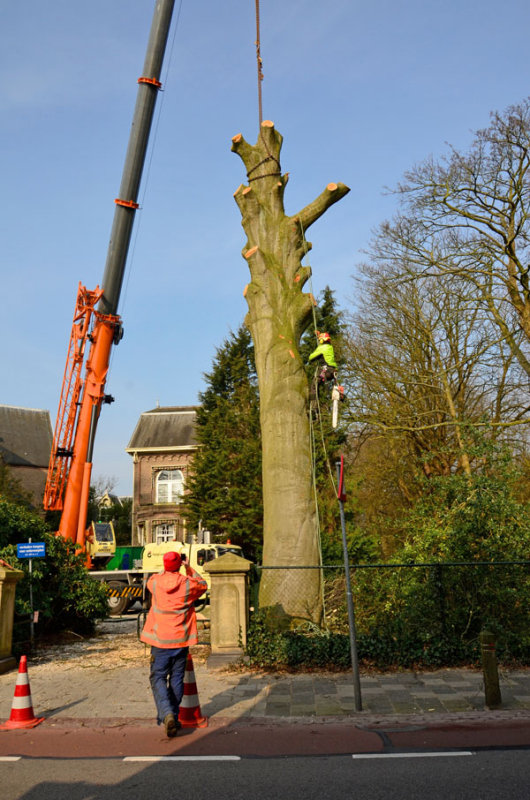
170,724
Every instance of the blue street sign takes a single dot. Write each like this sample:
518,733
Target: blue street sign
31,550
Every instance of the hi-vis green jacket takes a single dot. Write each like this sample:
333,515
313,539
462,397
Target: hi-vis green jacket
326,352
171,620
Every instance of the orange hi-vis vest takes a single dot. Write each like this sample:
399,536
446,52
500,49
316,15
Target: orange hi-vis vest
171,620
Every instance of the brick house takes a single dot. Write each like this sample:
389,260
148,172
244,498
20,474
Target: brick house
162,447
25,446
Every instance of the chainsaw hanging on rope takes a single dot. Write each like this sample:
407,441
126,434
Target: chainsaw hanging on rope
337,394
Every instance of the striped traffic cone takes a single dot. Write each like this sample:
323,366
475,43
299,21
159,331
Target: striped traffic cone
22,715
190,715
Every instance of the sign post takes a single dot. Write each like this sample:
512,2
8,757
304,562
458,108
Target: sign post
31,550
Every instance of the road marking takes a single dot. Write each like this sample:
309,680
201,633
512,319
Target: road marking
10,758
182,758
414,755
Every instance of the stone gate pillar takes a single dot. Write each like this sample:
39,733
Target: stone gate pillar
9,578
229,607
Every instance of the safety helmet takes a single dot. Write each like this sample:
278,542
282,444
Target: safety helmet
324,337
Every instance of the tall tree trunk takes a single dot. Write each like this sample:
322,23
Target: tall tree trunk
279,312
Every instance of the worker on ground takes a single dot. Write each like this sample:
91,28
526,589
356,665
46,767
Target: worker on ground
324,355
170,629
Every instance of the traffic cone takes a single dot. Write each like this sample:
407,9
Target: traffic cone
190,715
22,715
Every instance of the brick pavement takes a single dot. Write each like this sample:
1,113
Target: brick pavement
332,695
80,690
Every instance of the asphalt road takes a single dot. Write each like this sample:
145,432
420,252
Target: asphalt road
462,775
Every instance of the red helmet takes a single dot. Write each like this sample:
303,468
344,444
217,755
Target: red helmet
324,337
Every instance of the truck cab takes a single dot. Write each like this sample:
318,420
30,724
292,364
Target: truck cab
197,555
126,585
100,543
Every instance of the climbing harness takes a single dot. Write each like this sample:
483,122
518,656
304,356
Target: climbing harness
337,393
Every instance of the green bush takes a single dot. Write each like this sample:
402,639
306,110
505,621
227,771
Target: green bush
18,523
432,615
292,650
63,593
270,649
408,617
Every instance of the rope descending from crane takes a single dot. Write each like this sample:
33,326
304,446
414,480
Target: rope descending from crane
260,64
269,156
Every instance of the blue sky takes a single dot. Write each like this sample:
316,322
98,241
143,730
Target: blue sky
360,92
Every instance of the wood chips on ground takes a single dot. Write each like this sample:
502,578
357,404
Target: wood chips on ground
105,652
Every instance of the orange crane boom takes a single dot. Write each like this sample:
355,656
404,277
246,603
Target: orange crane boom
95,330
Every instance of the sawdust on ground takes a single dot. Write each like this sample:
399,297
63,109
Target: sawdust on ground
104,652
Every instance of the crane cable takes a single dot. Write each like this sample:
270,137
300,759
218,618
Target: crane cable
260,64
312,441
259,61
269,156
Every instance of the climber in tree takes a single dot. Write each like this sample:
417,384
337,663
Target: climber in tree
324,355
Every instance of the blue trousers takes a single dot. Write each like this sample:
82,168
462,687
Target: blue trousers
167,679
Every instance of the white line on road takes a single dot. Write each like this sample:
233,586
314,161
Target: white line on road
10,758
182,758
414,755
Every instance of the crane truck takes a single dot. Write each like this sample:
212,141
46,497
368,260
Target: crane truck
96,327
127,584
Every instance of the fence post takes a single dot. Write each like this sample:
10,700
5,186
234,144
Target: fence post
9,577
492,689
229,608
351,614
441,596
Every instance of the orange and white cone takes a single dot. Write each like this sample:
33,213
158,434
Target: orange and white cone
22,715
190,715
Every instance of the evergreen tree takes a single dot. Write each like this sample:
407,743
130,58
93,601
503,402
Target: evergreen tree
225,488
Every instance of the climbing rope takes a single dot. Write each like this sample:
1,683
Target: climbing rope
322,438
271,157
306,251
316,408
317,510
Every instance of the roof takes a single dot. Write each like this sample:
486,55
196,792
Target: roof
166,428
25,436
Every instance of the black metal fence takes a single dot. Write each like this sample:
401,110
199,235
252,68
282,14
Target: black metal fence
430,613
